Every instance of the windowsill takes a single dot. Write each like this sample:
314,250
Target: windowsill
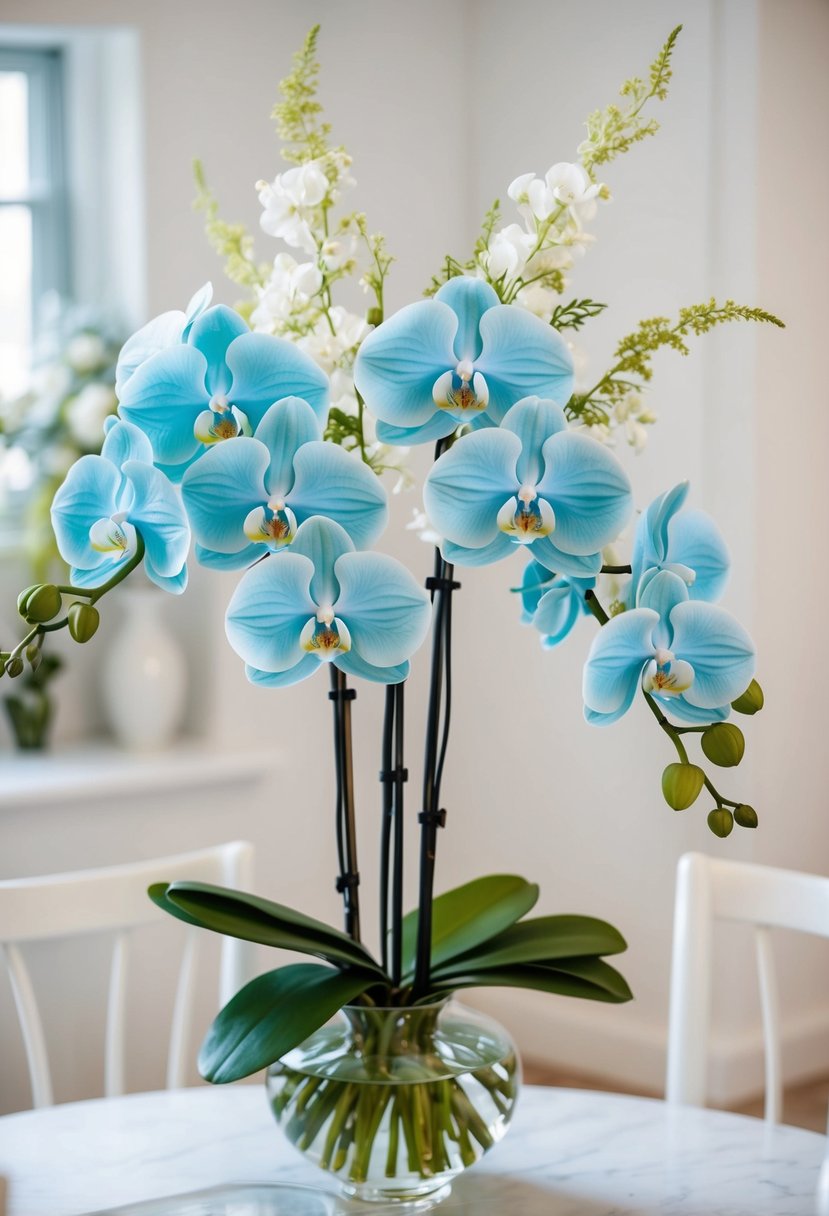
100,769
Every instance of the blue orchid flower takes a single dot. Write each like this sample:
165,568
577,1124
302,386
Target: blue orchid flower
689,545
106,501
250,496
462,357
168,329
692,657
524,483
205,388
552,603
323,602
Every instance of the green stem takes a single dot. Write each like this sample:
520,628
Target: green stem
669,730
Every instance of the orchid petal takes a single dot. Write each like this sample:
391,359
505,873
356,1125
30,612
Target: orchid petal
307,666
614,664
159,516
329,481
467,486
522,356
573,565
557,613
97,573
536,581
88,494
268,610
696,542
322,541
385,608
719,650
680,708
266,369
398,363
174,584
353,665
588,489
662,594
221,489
439,426
125,442
163,399
533,420
212,333
196,305
156,335
460,555
285,427
659,520
469,299
228,561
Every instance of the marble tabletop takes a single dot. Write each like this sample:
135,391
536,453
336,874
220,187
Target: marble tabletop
568,1153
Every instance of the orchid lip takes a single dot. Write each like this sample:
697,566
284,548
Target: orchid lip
526,517
325,636
463,391
274,524
666,675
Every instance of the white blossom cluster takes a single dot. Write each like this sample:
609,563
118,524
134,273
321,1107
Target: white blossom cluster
526,259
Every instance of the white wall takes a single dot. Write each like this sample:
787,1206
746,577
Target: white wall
441,105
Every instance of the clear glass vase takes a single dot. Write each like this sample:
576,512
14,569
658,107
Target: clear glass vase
396,1102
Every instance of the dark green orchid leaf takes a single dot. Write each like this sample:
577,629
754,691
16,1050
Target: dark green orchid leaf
588,978
466,916
273,1014
254,919
544,939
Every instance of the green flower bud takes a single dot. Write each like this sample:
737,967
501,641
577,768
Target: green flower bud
681,784
723,744
35,655
14,666
83,621
23,598
721,822
745,815
751,701
374,316
43,603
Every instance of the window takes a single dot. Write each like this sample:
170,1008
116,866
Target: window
34,221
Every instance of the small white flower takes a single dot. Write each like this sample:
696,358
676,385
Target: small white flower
306,279
85,414
570,184
420,524
508,251
538,299
337,253
86,352
517,189
287,202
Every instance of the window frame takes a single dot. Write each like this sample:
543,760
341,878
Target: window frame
47,196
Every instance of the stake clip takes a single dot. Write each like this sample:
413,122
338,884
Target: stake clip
342,694
433,818
433,583
393,774
347,881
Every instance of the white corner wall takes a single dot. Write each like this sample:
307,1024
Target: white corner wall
441,106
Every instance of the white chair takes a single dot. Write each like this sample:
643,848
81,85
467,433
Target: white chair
115,899
710,889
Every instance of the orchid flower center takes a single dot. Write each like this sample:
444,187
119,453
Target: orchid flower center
526,517
274,524
219,421
113,535
325,636
666,675
463,390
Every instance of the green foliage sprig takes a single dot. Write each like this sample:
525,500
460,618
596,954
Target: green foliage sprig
614,130
298,114
232,242
574,314
634,353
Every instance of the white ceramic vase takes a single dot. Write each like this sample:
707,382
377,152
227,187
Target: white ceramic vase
144,677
